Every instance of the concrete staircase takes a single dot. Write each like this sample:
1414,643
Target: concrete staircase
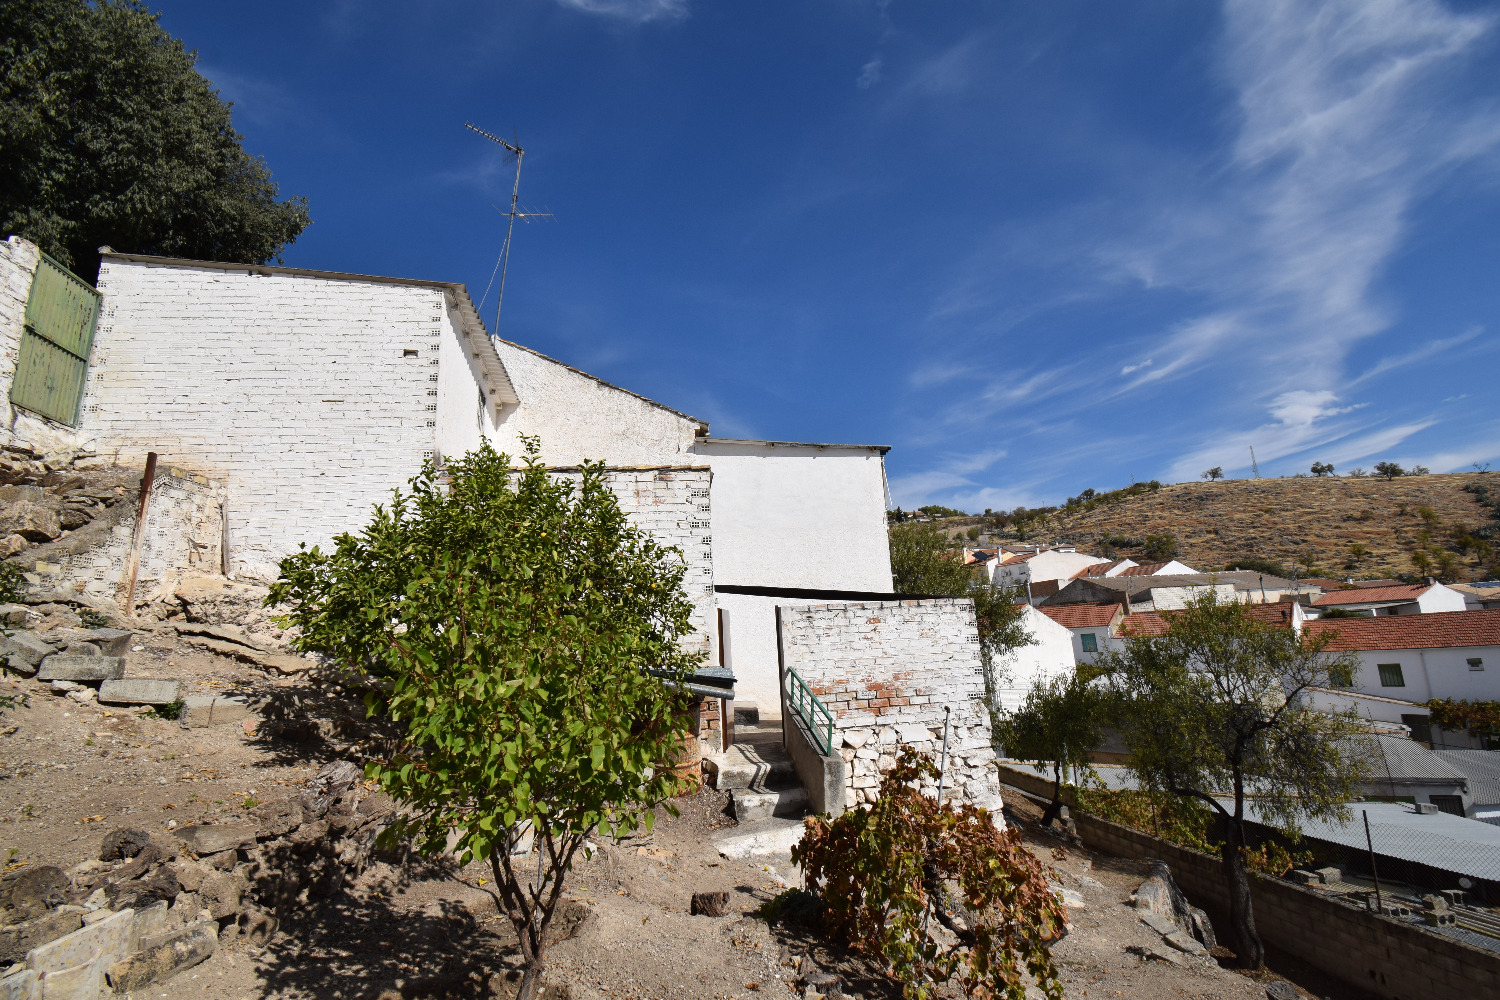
758,774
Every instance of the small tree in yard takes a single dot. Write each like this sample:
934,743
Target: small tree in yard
525,629
1060,722
881,872
1215,710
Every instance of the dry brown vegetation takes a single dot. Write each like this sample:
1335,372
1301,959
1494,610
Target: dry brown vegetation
1305,524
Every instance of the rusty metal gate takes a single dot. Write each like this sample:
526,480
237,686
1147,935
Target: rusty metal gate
61,313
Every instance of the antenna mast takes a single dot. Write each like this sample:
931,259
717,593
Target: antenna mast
503,264
1254,468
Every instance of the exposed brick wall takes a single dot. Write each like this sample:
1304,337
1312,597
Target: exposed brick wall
1388,957
887,670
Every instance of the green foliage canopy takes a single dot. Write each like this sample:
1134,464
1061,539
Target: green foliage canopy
925,561
1217,710
1058,724
109,135
523,625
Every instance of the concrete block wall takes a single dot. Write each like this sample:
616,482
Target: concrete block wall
1388,957
886,671
306,397
184,535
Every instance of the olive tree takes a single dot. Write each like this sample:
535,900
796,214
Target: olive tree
1216,710
1059,724
529,639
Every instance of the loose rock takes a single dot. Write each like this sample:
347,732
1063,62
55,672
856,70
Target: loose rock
124,843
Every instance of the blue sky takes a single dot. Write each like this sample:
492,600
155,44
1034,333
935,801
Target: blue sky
1035,247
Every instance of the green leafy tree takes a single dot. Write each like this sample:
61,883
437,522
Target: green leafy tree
1058,725
109,135
1322,468
924,561
530,637
1216,710
1217,472
882,874
1161,546
1390,470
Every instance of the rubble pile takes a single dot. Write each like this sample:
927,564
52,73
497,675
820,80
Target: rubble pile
53,508
152,905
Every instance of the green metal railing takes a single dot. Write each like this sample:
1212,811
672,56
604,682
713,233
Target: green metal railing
806,704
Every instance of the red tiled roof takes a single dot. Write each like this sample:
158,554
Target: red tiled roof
1149,623
1097,569
1090,614
1431,631
1370,595
1144,569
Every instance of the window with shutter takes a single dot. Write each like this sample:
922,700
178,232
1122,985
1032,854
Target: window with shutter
61,313
1390,675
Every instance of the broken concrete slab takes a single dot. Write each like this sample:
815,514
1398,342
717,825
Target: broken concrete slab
14,614
1158,923
206,839
107,941
164,956
24,651
1183,942
224,633
110,641
287,664
140,691
775,837
18,939
201,711
81,982
20,984
71,667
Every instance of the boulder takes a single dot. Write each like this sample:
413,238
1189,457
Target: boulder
23,651
17,940
277,817
123,844
31,892
73,667
110,641
140,691
203,840
142,893
14,614
190,874
163,956
35,524
222,894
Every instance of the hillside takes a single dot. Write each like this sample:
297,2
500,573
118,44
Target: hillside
1309,524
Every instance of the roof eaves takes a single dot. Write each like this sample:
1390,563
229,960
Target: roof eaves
882,448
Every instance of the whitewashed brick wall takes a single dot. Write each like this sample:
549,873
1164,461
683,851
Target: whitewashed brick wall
297,393
886,670
58,442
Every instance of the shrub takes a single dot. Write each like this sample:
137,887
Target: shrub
878,869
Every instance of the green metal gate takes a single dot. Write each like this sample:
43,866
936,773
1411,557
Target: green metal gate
61,313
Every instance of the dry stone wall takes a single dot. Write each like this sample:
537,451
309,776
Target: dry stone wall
887,671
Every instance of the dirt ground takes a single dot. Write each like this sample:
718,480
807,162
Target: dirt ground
69,773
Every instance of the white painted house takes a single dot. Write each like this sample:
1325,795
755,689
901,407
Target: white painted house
307,396
792,523
1048,657
1401,599
1049,565
1091,624
1414,658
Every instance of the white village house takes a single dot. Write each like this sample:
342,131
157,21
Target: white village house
1398,599
283,403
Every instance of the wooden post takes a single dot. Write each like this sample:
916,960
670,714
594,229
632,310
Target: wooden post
781,675
133,564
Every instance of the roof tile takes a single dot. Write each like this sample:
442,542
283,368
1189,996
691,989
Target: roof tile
1438,630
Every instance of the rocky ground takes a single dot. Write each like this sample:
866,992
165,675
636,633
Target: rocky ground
73,772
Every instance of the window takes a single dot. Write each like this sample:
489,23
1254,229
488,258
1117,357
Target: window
1421,727
1090,642
1476,663
1390,675
1451,804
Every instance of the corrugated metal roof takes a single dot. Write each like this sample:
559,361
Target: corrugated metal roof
1439,840
1481,767
1402,759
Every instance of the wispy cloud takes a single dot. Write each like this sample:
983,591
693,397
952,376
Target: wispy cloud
869,73
1128,369
1435,350
638,11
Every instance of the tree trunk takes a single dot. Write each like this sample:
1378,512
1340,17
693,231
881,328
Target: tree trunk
1055,805
1247,946
531,981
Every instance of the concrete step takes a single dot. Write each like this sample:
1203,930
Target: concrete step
772,836
758,767
746,713
752,806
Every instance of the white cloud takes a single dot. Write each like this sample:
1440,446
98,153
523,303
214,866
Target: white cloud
1137,367
639,11
869,73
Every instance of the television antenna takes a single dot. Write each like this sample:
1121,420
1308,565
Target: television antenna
513,152
1254,467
